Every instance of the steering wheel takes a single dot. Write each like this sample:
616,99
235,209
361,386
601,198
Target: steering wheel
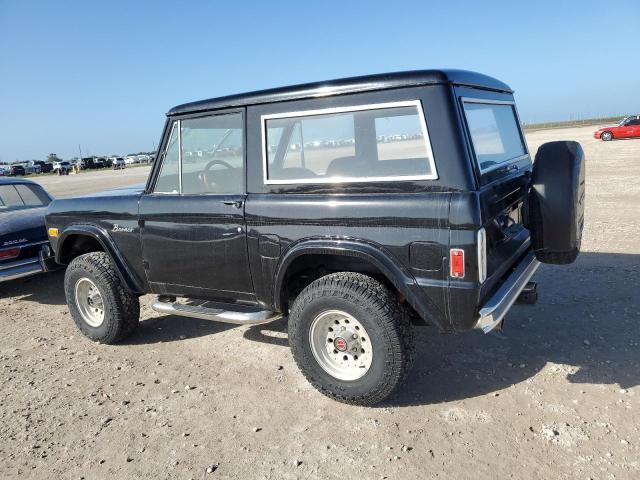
205,171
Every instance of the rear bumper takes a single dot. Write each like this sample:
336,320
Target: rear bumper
497,306
26,267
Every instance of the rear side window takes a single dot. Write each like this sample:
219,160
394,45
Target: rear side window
13,197
495,133
9,198
382,142
32,196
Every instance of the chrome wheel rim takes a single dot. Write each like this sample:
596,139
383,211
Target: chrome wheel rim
340,345
89,302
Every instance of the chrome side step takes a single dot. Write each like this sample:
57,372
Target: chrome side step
217,314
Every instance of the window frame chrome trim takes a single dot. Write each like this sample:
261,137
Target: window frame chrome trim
523,140
354,108
179,156
163,156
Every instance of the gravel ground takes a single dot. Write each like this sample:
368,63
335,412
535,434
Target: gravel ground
89,181
184,398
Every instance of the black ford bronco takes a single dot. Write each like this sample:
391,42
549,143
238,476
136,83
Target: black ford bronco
357,208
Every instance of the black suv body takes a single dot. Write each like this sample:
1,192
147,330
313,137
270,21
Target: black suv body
394,199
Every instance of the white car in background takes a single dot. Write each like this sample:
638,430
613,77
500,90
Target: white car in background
117,163
63,165
131,159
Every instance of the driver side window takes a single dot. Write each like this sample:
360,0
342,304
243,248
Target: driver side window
212,156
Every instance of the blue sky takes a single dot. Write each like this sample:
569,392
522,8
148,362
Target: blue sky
102,74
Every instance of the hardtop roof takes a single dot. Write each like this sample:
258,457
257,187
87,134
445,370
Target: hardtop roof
15,180
343,86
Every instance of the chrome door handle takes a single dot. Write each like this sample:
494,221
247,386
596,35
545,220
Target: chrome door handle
233,203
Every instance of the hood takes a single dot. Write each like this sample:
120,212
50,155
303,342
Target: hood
20,227
108,204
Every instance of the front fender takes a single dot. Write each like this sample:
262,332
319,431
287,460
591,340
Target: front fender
128,276
384,261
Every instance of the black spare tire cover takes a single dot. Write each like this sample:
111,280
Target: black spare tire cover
555,204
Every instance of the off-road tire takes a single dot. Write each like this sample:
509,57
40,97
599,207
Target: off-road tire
606,136
376,308
121,307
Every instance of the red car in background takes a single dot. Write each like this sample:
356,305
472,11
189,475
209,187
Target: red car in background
627,128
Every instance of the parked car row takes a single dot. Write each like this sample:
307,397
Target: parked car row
19,169
12,170
64,166
131,159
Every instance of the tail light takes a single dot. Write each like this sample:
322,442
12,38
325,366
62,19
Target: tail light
482,255
9,253
456,262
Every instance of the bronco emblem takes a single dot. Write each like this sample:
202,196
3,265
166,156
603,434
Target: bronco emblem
118,228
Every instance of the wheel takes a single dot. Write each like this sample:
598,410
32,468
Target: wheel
101,307
606,136
350,338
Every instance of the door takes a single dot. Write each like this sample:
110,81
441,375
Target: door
633,124
192,218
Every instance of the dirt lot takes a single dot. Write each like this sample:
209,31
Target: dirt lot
558,398
92,181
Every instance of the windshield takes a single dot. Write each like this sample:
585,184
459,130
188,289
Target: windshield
16,197
622,122
495,133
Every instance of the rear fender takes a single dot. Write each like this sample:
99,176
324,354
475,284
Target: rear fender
383,260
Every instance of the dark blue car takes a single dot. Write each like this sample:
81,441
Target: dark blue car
24,246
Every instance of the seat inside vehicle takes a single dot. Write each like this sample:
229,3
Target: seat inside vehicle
353,166
217,179
292,173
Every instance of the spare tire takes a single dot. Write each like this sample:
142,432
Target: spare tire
555,204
